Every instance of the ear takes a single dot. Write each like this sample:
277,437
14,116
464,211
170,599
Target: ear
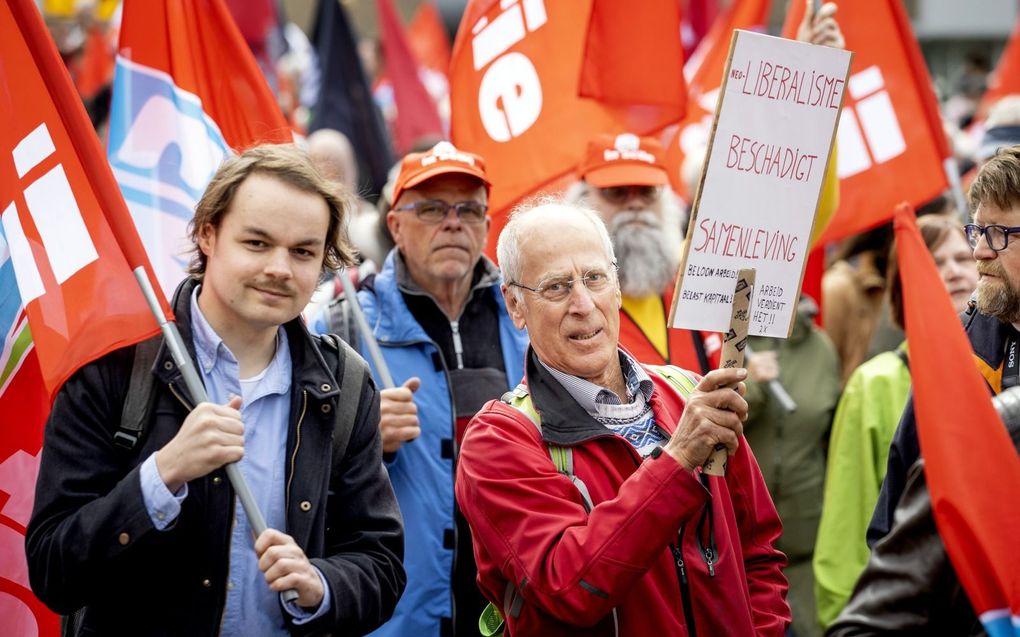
393,223
207,238
514,307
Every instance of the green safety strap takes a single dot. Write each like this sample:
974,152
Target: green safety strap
491,623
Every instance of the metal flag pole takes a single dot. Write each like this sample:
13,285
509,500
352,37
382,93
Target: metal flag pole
173,340
778,391
385,378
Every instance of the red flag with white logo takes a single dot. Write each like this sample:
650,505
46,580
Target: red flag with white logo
515,78
891,146
67,293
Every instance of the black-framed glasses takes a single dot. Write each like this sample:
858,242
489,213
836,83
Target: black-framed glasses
997,236
622,194
433,211
558,288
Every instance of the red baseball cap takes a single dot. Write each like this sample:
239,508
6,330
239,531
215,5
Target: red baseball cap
624,160
442,159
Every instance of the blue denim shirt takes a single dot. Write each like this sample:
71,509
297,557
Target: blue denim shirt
251,608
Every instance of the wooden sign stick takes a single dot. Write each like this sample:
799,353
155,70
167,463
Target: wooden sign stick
734,344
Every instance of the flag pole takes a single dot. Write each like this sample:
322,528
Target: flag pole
952,171
385,378
173,340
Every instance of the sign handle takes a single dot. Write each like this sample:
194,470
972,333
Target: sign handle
733,348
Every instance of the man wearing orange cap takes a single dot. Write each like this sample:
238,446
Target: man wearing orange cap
439,317
624,179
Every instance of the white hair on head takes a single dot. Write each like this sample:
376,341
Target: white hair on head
508,248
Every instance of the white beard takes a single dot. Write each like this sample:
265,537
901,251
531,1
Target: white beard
646,262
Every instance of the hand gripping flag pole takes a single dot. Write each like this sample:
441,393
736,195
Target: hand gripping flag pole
198,394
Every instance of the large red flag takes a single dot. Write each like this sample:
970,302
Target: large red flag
428,38
515,99
891,146
67,294
704,72
1006,78
971,465
417,117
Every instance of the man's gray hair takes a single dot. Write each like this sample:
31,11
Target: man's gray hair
508,248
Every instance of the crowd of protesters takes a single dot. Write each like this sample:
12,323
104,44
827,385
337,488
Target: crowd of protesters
537,423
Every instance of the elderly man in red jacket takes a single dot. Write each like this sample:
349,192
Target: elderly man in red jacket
583,489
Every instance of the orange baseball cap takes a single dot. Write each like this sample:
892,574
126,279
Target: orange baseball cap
624,160
443,159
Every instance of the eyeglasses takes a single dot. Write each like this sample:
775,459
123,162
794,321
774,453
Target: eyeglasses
558,288
622,194
997,236
433,211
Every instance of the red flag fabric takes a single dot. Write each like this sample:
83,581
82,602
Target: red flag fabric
1006,78
428,38
704,71
701,16
197,44
67,293
515,78
891,146
971,465
634,55
417,117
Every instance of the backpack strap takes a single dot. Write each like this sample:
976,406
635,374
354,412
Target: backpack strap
681,380
351,371
339,321
138,403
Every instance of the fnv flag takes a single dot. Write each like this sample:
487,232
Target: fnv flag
67,294
186,93
890,142
525,96
971,465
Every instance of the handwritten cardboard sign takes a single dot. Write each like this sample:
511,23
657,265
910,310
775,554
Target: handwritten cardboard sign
766,162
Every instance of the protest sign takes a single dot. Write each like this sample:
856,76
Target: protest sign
759,191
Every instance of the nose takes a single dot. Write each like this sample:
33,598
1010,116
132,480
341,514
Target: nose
634,201
982,251
581,301
452,220
278,264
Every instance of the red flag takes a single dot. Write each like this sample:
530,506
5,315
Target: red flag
634,55
417,117
428,38
702,15
515,78
1006,78
971,465
891,145
67,293
704,71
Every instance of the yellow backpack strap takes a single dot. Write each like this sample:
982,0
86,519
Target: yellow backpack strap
682,380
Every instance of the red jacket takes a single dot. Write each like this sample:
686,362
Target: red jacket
573,568
689,349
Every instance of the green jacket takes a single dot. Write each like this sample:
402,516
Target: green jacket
866,419
790,447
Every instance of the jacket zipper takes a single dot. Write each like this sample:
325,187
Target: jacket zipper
297,445
458,347
685,586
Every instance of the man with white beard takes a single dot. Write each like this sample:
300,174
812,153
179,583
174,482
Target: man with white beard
624,179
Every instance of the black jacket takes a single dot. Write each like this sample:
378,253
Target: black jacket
90,541
987,337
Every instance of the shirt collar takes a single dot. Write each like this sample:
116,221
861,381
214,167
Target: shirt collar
589,395
210,350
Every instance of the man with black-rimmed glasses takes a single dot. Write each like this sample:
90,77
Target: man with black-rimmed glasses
992,321
438,315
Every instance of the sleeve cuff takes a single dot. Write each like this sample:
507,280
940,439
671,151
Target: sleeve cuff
163,507
302,616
